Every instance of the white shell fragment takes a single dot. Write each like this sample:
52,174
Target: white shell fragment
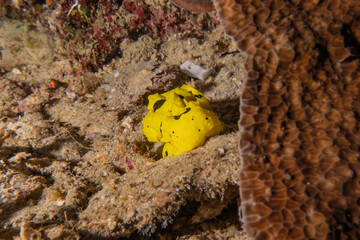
195,71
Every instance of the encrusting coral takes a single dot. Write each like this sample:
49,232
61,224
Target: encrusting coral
182,118
299,124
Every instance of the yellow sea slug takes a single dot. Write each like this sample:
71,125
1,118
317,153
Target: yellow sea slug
182,118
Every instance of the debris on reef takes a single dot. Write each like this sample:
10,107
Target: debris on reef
193,70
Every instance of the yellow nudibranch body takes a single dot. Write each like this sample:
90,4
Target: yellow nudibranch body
182,118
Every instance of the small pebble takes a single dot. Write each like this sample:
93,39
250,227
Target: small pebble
70,94
94,135
221,151
16,71
127,122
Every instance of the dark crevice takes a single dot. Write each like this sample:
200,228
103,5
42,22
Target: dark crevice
350,43
323,56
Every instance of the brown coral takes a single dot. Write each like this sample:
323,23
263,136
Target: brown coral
300,108
195,6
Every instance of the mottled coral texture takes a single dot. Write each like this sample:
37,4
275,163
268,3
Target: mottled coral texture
300,108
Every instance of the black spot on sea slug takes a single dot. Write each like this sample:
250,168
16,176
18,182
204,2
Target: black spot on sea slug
158,104
178,116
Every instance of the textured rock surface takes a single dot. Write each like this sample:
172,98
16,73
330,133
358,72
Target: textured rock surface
74,163
299,124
